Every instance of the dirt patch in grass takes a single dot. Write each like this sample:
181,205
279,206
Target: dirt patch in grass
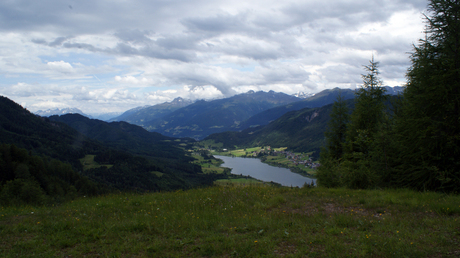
285,248
14,220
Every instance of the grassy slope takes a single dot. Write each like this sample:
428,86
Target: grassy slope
239,221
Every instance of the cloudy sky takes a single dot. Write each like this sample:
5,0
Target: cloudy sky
112,55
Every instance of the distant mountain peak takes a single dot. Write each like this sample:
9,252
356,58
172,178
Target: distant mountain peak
303,95
57,111
180,101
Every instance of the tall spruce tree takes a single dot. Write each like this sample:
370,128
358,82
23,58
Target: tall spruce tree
369,110
365,123
428,124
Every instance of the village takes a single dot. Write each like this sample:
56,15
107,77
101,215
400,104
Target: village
295,159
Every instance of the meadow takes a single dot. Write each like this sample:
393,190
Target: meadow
236,220
210,165
88,163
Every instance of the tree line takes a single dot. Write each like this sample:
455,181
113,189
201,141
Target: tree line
31,179
413,140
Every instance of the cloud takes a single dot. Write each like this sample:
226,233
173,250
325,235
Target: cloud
121,54
60,66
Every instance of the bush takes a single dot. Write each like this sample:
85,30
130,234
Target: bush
358,174
328,174
20,191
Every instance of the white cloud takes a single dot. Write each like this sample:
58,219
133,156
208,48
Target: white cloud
60,66
122,54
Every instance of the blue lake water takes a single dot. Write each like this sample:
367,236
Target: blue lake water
256,169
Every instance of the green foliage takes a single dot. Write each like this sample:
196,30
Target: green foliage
328,174
357,173
337,127
369,112
21,191
351,152
428,126
28,179
416,144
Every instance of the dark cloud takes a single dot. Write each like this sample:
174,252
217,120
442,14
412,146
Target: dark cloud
82,46
134,35
218,24
58,41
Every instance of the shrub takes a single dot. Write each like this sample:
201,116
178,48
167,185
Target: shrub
20,191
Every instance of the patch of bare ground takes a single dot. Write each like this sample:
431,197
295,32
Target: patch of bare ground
285,248
14,220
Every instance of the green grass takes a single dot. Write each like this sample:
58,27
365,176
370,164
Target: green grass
208,165
88,162
157,173
245,221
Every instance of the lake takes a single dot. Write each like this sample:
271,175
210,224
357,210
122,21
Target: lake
255,168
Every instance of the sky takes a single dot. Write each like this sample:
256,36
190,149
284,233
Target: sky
112,55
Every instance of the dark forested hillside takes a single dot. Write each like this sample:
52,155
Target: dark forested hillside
301,130
320,99
126,137
159,154
206,117
43,157
41,135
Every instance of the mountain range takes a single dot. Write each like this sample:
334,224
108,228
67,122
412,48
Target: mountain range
143,115
203,118
58,111
185,118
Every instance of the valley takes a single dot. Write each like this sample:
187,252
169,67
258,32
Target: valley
171,129
301,163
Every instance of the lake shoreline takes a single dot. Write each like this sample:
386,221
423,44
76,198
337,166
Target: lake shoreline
274,164
263,171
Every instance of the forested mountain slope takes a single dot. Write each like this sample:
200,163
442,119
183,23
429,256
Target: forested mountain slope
42,157
320,99
202,118
126,137
301,130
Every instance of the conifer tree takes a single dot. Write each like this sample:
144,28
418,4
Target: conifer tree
365,122
331,155
369,110
428,126
337,127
